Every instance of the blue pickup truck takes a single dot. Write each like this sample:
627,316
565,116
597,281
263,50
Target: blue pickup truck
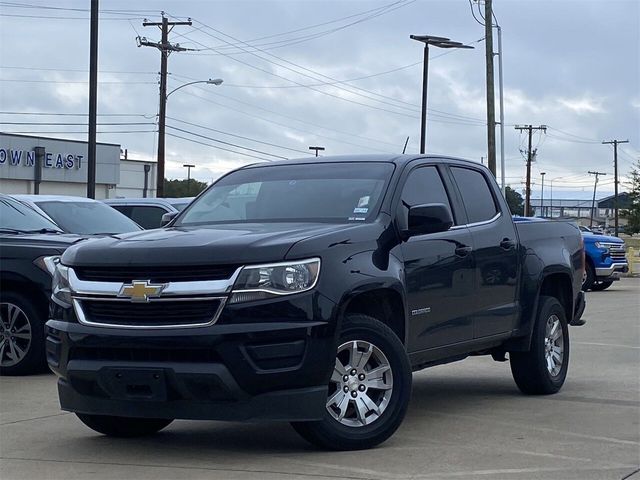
605,260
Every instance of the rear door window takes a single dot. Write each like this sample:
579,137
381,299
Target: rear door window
476,194
147,217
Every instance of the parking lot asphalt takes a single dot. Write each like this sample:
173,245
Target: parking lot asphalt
465,420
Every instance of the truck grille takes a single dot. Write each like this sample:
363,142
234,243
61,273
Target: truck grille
184,273
153,314
616,250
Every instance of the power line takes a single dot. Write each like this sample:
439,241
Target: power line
236,136
305,38
226,143
79,70
78,114
74,124
281,65
306,122
218,147
120,82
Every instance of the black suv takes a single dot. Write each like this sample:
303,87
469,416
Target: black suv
30,246
308,291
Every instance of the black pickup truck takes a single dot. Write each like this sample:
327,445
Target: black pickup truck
308,291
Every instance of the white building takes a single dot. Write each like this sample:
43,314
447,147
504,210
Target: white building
30,164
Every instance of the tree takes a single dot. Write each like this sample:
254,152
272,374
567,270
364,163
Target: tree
515,201
183,188
632,214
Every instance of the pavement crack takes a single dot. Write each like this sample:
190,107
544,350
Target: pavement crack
34,418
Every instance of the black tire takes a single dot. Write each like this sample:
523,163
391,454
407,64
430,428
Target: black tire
589,277
599,286
125,427
329,433
529,369
34,359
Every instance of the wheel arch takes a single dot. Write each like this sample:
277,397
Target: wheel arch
383,302
555,283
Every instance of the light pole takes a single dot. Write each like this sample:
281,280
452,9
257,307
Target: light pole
440,42
161,131
189,167
316,149
542,174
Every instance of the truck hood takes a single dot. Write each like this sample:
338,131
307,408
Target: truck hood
218,244
596,237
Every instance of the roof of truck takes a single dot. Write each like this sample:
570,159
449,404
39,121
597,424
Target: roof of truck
398,159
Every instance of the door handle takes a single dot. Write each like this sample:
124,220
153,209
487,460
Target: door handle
507,244
463,251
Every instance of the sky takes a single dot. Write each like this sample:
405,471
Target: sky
339,74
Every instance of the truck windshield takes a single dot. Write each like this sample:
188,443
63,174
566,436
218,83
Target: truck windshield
88,218
322,192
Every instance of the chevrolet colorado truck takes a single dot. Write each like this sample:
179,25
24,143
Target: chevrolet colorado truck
309,291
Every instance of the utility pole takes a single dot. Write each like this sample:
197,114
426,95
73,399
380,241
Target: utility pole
317,149
93,101
593,202
491,109
542,174
615,179
165,49
530,154
189,167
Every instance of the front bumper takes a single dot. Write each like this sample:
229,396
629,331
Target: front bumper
612,271
277,369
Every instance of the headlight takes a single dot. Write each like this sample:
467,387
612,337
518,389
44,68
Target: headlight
600,246
266,281
61,289
48,264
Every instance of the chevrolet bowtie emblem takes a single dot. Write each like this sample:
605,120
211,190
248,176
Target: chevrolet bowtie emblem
141,291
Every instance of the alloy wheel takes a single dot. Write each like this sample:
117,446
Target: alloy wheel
15,334
554,345
361,384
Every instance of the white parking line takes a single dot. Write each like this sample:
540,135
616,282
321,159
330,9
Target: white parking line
614,345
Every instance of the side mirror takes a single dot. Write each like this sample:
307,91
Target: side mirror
167,218
429,218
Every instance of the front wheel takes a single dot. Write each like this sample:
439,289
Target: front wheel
123,426
543,369
369,389
589,277
21,335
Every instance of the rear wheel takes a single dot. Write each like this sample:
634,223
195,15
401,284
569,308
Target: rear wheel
21,335
123,426
598,287
543,369
368,392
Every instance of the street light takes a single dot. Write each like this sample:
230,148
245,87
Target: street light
161,131
217,81
317,149
542,174
189,167
440,42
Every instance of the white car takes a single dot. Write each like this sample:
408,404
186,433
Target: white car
79,215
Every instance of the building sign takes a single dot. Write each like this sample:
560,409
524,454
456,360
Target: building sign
25,158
